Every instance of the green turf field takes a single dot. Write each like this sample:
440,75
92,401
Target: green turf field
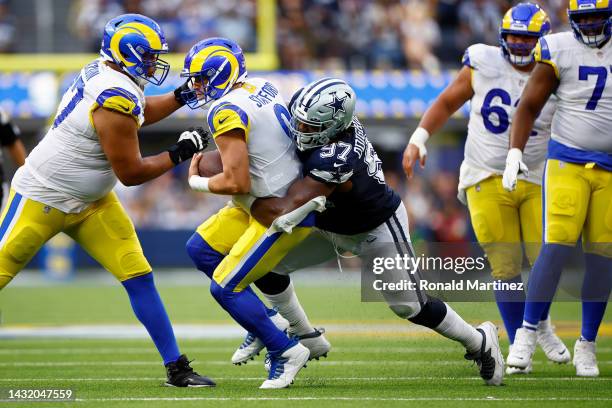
379,366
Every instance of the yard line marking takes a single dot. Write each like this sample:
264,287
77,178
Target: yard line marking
227,362
414,378
322,398
140,350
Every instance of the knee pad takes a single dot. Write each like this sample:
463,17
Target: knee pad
431,314
560,225
406,310
24,245
205,258
273,283
504,258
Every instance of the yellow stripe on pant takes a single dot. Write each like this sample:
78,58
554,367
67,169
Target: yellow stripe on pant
103,230
502,220
255,249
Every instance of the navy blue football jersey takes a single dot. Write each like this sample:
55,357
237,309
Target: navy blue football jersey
368,201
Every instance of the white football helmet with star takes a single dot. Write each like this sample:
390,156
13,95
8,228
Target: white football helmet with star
321,111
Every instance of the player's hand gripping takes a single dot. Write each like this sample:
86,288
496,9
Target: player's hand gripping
194,166
415,151
514,167
190,142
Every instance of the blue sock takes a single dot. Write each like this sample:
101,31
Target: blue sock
543,282
595,292
205,258
251,313
511,305
149,309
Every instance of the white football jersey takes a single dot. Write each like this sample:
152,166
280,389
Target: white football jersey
258,108
68,169
584,112
497,89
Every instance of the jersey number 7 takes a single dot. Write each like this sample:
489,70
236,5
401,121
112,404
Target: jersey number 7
602,75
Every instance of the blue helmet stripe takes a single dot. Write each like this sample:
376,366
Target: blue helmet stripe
332,83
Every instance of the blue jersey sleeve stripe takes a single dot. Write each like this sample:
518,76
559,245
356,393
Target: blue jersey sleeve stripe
212,113
243,116
108,93
465,60
545,51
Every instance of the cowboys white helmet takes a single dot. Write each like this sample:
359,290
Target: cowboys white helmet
320,111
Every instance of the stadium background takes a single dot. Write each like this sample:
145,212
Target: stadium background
398,55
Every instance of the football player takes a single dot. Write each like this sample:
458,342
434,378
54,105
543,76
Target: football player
248,120
577,188
9,140
67,181
492,79
363,214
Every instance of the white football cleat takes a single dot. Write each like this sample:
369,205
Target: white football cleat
252,346
585,359
489,359
523,348
516,370
553,346
285,367
316,342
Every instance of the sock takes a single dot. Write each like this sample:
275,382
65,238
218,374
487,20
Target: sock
595,292
250,312
543,282
455,328
511,305
205,258
288,305
150,311
545,313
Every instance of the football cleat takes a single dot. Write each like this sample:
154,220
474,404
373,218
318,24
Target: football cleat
585,359
552,345
523,348
316,342
489,359
180,374
516,370
252,346
285,365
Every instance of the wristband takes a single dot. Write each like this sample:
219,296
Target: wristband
419,137
198,183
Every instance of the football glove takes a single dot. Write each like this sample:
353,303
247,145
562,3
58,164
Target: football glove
183,93
514,167
190,142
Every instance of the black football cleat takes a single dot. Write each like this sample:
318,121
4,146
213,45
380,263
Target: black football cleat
180,374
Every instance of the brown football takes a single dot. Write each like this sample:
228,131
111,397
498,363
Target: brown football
210,164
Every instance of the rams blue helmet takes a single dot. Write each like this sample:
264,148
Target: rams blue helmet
134,42
524,19
592,33
213,66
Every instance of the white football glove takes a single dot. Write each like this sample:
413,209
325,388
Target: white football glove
286,223
514,167
190,142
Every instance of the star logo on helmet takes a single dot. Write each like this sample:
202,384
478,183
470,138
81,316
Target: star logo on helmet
337,104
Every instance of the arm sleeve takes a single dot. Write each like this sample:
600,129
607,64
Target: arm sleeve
225,117
119,100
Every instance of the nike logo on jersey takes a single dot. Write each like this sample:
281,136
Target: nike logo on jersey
338,165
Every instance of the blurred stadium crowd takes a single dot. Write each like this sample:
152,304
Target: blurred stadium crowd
311,34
